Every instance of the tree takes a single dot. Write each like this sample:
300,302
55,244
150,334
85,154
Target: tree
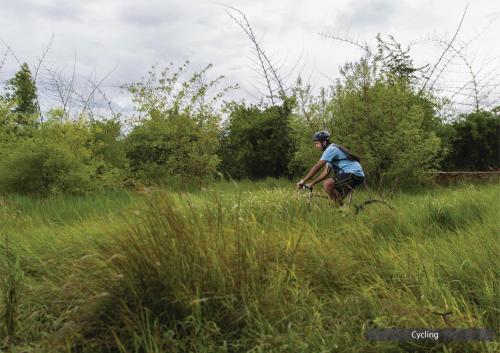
163,151
311,113
375,111
475,142
7,119
257,142
22,90
56,159
383,119
21,99
106,142
397,61
168,93
176,135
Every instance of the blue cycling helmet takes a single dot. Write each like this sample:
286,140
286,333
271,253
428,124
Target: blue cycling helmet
321,136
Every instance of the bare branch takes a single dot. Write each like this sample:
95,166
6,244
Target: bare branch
69,94
57,85
327,77
271,73
249,33
11,51
444,52
95,87
364,47
37,68
469,67
4,59
42,57
102,93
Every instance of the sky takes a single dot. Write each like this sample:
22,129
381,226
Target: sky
120,40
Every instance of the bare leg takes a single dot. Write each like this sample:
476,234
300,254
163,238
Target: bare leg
329,186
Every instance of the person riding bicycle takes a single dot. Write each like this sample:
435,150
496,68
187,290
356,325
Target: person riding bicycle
346,167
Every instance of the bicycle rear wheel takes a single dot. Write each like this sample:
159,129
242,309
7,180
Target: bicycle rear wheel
373,205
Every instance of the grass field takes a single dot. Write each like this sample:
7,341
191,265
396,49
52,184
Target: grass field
247,267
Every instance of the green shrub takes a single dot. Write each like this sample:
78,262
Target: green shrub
176,134
172,150
380,116
475,142
257,142
56,159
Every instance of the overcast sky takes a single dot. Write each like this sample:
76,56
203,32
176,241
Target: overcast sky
127,37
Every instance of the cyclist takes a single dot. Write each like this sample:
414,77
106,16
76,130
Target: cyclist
346,167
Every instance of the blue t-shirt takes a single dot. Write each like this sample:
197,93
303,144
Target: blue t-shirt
336,160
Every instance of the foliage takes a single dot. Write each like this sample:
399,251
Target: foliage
22,93
170,150
179,136
177,131
22,90
475,142
55,159
107,143
381,118
14,125
167,93
257,142
396,61
7,119
312,113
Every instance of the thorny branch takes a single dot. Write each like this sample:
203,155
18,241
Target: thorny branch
270,72
444,52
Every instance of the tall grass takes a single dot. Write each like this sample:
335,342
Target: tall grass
64,209
245,268
11,286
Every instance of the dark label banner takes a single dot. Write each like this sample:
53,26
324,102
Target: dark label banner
438,335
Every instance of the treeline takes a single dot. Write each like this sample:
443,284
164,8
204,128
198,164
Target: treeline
184,133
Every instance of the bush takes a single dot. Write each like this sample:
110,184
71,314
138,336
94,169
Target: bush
164,150
176,136
257,142
107,143
56,159
475,142
381,118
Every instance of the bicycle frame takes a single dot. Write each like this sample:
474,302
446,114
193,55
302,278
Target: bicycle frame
349,194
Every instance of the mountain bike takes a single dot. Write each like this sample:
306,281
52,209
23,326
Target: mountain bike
346,199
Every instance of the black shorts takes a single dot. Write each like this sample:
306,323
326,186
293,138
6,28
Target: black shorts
350,179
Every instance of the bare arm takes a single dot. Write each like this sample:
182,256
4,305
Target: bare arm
324,174
314,170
